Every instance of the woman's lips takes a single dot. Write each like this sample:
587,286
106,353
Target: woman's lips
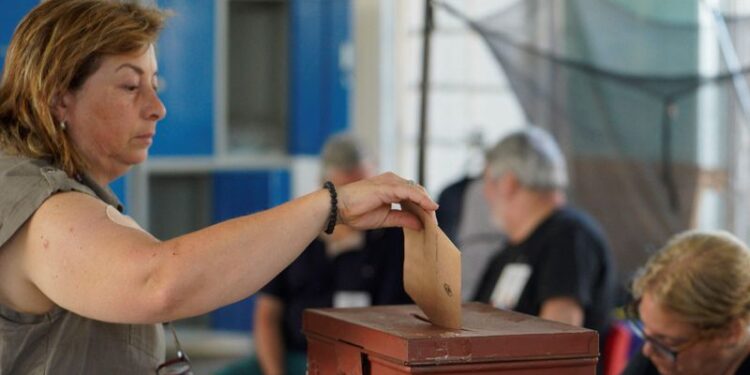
147,138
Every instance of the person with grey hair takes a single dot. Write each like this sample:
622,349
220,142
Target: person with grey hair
556,264
348,268
345,157
533,157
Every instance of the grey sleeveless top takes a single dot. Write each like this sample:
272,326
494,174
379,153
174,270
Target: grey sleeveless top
61,342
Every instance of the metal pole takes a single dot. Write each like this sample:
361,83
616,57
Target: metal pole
424,89
731,59
742,89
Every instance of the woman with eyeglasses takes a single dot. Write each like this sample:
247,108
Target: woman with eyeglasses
693,307
82,287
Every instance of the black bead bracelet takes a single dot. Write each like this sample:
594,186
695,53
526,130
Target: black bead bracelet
334,207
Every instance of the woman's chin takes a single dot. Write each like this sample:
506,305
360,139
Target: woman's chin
138,157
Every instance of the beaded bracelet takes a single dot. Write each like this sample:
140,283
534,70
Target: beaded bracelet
334,207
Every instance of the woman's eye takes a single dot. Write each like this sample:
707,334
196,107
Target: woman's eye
131,88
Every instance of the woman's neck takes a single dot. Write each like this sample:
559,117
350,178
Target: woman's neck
740,355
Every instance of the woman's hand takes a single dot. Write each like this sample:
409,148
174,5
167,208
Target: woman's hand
366,204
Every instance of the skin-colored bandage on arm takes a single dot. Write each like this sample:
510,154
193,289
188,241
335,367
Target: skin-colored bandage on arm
121,219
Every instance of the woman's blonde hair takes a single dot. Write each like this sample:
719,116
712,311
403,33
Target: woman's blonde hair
703,277
54,49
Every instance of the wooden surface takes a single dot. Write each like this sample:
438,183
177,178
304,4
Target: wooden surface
398,340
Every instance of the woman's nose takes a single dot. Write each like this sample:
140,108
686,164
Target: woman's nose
155,110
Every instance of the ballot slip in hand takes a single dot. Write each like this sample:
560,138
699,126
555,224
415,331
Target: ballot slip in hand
432,270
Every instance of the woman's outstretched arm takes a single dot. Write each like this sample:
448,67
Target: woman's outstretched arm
77,253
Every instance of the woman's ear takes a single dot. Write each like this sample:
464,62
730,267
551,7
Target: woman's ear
61,104
737,332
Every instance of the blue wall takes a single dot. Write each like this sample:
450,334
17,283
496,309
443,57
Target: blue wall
10,16
319,92
237,194
186,65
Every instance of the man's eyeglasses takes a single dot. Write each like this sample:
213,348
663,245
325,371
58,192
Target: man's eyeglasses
635,324
180,365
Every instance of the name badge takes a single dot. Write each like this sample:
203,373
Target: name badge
510,285
351,298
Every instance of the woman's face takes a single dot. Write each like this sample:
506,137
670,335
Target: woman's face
111,120
695,354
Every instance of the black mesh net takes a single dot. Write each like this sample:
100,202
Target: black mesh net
629,100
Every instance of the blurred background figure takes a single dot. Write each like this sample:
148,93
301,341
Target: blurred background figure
557,264
692,307
348,268
465,217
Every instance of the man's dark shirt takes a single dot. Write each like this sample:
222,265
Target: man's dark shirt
568,257
312,279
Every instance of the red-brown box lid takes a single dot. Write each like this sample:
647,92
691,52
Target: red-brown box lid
402,334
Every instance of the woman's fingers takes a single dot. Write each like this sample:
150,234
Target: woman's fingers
366,204
411,191
405,219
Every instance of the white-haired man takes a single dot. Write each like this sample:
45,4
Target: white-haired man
556,264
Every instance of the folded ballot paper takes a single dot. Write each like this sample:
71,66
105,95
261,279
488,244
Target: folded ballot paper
432,270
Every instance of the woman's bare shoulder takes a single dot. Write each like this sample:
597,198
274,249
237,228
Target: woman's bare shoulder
17,291
59,250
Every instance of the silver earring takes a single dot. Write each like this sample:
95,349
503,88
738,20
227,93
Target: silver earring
63,125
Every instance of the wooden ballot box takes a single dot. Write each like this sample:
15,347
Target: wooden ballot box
399,340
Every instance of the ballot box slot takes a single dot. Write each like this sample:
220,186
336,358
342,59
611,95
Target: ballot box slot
426,320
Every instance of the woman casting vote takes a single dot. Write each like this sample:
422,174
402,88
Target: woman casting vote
82,287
